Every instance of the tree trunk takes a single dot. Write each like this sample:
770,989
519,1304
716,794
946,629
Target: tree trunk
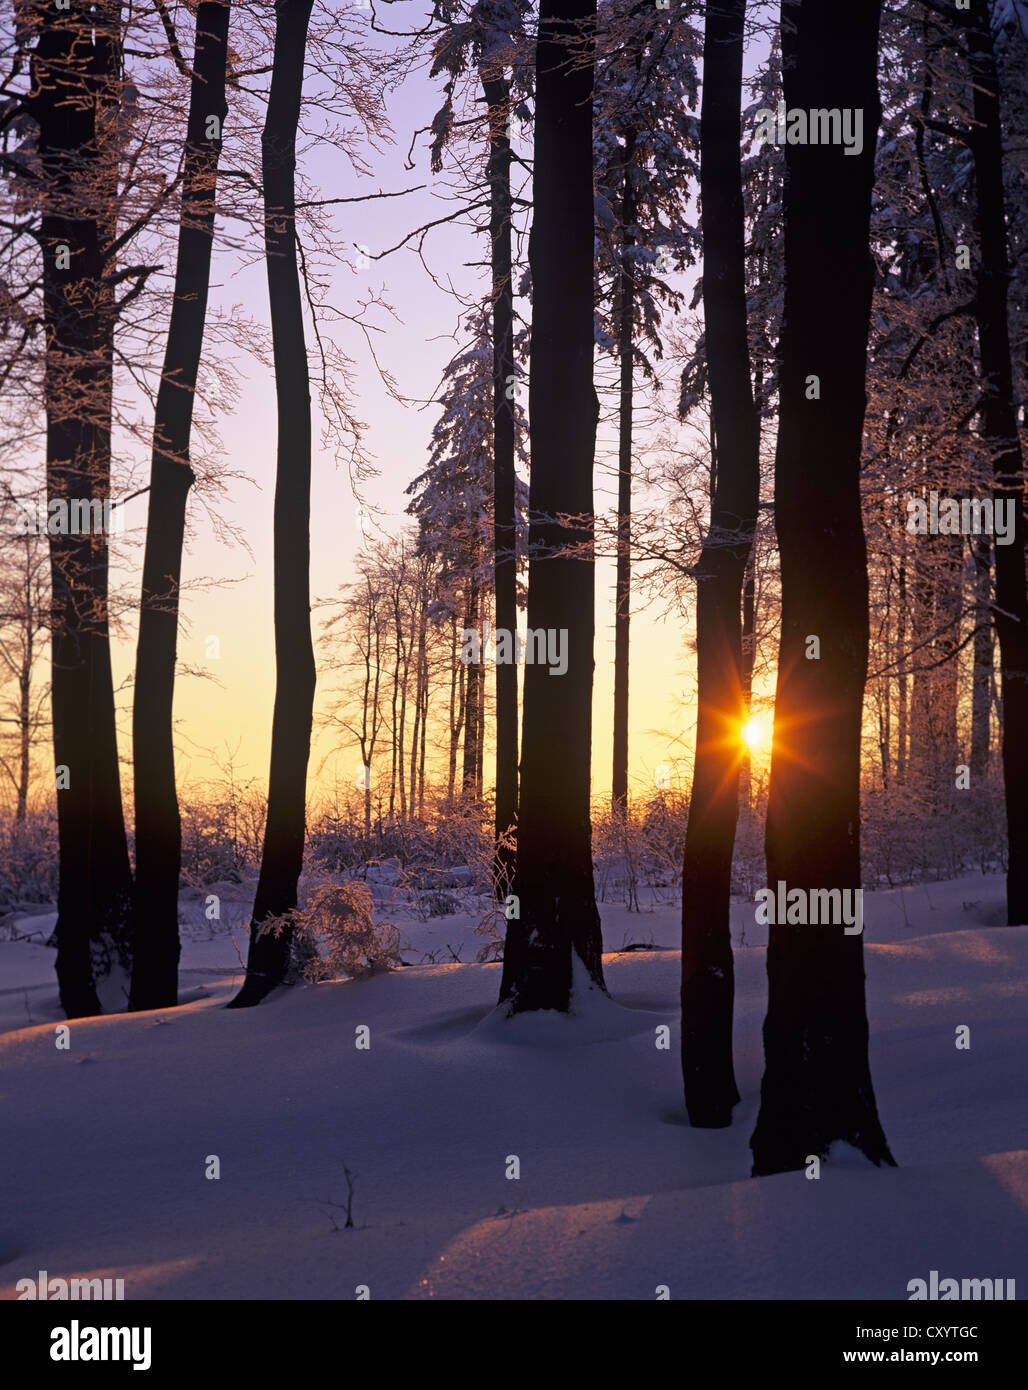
456,678
76,71
370,708
981,679
497,94
817,1086
558,920
158,824
623,577
749,653
282,858
921,747
419,711
424,718
480,769
24,732
476,672
949,601
708,980
394,707
902,715
999,426
400,766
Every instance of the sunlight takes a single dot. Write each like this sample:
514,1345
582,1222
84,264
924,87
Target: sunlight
756,734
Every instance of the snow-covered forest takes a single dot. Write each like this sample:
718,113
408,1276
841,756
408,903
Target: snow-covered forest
513,584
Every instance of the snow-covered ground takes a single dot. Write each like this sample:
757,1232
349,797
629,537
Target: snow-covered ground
106,1144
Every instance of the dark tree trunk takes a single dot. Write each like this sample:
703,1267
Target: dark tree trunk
456,709
479,784
158,825
949,603
418,748
76,69
401,770
393,727
420,704
708,981
476,674
554,879
282,858
902,715
417,720
920,753
817,1086
981,680
623,577
497,94
24,732
999,426
749,653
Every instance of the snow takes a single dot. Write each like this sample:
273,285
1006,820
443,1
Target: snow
106,1144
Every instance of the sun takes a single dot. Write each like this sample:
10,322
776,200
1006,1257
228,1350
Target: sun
756,734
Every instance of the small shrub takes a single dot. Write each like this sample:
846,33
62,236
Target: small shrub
335,934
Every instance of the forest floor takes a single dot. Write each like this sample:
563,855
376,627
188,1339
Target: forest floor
107,1144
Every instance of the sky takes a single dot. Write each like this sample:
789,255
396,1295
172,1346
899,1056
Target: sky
230,712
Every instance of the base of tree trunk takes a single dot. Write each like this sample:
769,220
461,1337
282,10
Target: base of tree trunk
816,1092
787,1155
254,991
556,939
710,1106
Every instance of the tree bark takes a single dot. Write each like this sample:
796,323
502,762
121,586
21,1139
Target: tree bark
708,981
949,603
76,72
158,839
456,714
282,857
419,707
395,700
817,1088
496,90
749,653
424,719
559,921
623,575
902,716
476,672
24,732
999,426
982,671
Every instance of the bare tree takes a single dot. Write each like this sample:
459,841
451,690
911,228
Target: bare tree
295,676
708,979
817,1085
76,93
158,829
559,923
